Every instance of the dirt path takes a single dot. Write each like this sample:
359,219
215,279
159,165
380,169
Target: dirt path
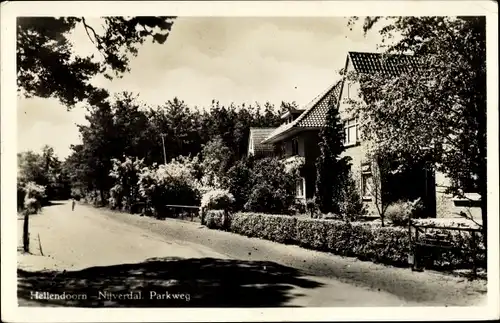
132,253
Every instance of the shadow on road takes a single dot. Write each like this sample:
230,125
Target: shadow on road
209,283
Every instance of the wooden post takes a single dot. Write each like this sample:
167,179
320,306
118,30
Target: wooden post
415,253
474,249
409,241
26,234
40,245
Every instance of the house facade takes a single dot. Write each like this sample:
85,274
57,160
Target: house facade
299,136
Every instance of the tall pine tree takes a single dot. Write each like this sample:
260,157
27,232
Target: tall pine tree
332,169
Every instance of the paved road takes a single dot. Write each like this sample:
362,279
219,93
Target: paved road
105,258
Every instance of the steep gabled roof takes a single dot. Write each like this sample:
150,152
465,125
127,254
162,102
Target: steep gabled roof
393,64
258,135
314,114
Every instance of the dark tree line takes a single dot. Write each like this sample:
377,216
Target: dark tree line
124,127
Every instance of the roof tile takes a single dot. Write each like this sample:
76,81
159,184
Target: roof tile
393,64
258,135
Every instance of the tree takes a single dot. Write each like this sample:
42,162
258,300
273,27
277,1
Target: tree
91,161
47,65
332,169
181,127
436,111
43,169
215,162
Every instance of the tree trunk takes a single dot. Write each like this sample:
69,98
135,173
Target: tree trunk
101,191
484,215
26,234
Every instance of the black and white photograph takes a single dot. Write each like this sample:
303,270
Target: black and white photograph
255,160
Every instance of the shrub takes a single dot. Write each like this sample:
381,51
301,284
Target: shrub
273,188
33,197
238,182
217,219
217,199
125,174
312,234
298,207
312,207
277,228
351,206
400,212
173,183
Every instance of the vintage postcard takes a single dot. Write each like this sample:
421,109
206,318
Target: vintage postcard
249,161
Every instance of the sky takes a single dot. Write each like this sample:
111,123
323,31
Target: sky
229,59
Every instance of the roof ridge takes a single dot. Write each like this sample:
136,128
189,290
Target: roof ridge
263,127
375,53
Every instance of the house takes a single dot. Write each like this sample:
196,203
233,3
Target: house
256,147
299,136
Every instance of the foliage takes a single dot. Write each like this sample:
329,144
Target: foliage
33,197
387,245
47,65
217,199
312,207
125,192
217,219
400,212
44,169
294,164
330,166
215,162
181,127
239,181
170,184
124,126
431,112
273,189
266,226
351,206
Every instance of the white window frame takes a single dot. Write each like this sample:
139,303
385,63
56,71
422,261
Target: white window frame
347,127
366,173
302,183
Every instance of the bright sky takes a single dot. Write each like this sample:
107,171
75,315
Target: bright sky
228,59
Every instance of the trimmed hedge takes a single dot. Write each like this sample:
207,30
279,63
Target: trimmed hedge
388,245
279,228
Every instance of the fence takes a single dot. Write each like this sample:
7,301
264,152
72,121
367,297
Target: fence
426,247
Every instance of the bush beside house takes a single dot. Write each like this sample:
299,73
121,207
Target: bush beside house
365,241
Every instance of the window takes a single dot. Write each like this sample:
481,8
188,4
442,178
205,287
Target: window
366,181
351,131
366,185
300,188
295,146
467,183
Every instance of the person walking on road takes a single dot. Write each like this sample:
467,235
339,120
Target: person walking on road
73,202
